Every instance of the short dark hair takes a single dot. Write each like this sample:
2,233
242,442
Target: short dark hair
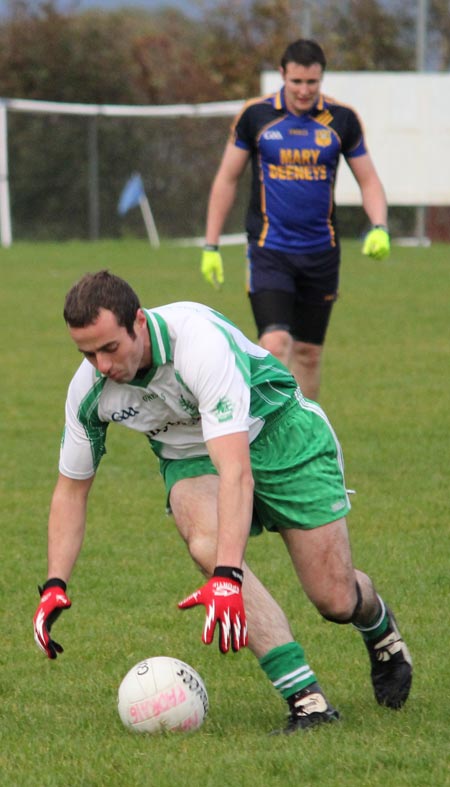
305,52
102,290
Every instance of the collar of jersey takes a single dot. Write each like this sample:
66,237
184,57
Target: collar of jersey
160,346
279,102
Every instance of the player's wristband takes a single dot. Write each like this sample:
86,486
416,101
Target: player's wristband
211,247
228,572
54,582
381,227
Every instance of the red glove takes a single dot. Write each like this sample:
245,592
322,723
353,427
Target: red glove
222,598
53,602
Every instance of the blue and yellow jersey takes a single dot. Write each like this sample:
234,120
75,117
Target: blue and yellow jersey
294,164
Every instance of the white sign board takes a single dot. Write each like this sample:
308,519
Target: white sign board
406,119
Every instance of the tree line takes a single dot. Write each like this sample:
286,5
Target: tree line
55,51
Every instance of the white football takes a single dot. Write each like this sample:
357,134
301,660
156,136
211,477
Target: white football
162,693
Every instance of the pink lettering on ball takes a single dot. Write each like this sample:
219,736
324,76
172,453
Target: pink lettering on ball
154,706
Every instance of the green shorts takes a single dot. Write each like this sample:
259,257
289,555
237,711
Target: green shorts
297,468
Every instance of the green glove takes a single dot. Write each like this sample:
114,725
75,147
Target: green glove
212,266
377,243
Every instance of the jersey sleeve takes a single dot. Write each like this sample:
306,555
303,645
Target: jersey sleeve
353,143
242,130
217,372
83,441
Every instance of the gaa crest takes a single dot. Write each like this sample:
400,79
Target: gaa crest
323,137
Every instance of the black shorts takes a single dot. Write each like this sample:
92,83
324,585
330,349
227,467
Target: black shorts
293,292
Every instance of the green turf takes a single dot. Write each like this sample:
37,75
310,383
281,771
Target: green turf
385,387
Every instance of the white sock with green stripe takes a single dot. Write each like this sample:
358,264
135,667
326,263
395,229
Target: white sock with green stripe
287,669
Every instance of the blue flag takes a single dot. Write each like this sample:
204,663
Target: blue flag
132,193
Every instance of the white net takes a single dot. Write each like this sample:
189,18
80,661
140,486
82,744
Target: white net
68,164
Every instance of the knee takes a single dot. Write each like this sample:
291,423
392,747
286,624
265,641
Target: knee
277,342
194,507
307,355
202,551
344,607
201,542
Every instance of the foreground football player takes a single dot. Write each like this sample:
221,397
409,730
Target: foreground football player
240,449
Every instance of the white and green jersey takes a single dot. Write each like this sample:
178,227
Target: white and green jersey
206,380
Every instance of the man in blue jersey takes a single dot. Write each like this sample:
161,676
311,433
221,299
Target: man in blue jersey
294,140
240,449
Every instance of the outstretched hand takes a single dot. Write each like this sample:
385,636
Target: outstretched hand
222,598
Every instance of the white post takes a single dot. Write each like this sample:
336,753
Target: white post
5,213
149,222
421,35
421,66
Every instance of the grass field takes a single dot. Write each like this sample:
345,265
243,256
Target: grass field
385,388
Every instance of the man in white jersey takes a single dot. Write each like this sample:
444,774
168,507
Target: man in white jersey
240,449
